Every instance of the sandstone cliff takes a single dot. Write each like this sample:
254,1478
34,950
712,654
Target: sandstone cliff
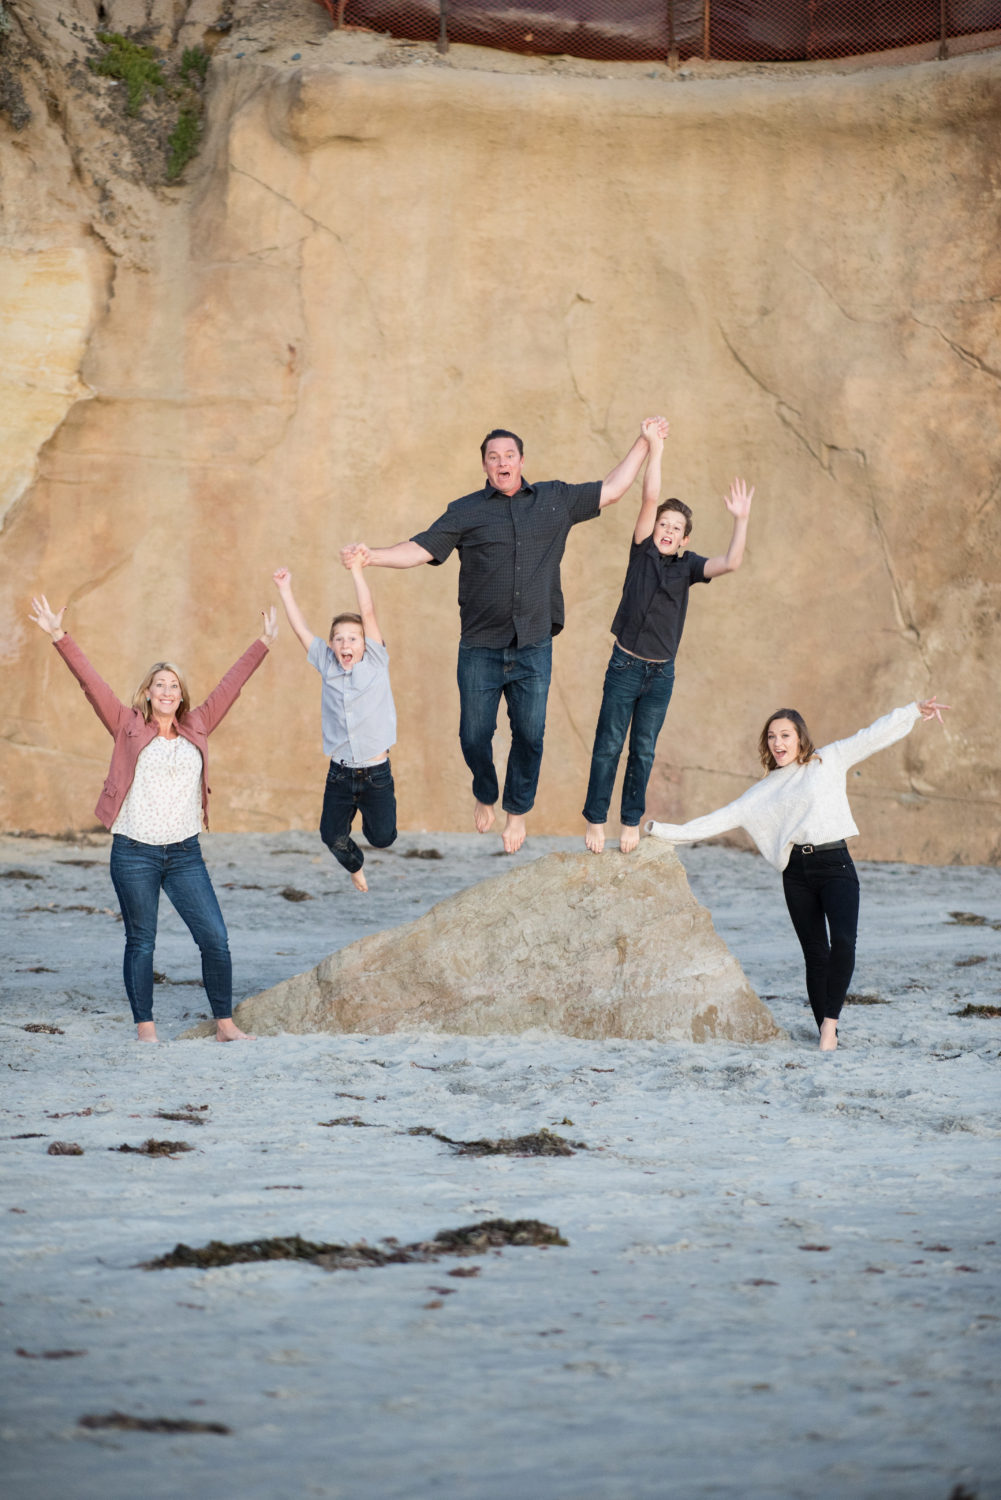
377,254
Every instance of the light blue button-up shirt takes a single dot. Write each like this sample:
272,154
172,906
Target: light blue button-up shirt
357,710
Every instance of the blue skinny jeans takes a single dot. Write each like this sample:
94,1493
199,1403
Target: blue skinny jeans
634,701
139,872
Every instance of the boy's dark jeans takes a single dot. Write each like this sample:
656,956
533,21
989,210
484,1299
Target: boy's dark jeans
365,789
822,891
636,692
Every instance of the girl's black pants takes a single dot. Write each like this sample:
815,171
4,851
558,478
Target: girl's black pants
822,894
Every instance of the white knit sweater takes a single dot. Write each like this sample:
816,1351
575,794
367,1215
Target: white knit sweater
798,804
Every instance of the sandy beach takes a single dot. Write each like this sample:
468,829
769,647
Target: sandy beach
781,1268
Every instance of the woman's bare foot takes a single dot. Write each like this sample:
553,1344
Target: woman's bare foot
828,1035
514,833
146,1032
628,838
227,1030
483,816
358,880
594,837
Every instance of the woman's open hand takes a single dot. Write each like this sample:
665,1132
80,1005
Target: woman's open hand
930,708
269,633
47,618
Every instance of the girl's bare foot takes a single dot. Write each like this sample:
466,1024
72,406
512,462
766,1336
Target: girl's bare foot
358,880
146,1032
514,833
628,838
828,1035
483,816
594,837
227,1030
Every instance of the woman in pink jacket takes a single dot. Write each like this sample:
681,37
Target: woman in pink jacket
154,801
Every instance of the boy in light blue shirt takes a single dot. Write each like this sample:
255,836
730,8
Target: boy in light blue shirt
358,720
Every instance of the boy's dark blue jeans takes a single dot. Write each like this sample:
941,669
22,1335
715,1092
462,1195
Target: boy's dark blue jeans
365,789
634,700
521,674
139,872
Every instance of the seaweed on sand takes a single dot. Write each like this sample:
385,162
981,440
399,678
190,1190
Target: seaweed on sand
120,1421
154,1147
472,1239
541,1143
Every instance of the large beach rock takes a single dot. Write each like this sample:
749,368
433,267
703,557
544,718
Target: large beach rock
591,947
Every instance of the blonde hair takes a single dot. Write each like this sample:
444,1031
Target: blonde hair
807,750
140,698
345,619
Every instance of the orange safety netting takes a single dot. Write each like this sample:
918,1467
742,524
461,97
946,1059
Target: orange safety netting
654,30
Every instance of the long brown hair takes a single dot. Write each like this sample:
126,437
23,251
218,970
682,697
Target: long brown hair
140,698
807,750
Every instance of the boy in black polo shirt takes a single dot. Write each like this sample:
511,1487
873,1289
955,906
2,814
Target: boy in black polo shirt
647,629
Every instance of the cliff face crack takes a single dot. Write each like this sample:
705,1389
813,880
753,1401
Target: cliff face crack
966,355
599,429
823,454
325,229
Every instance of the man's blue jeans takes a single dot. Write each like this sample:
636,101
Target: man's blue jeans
365,789
521,674
636,693
139,872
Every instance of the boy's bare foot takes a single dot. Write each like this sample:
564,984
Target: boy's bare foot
594,837
828,1035
358,880
628,838
228,1031
483,816
514,833
146,1032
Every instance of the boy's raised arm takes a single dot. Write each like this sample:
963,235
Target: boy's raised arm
363,593
655,432
738,503
283,583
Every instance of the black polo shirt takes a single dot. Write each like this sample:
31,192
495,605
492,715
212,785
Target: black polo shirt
510,549
651,612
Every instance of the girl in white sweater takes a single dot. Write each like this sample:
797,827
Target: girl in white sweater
799,817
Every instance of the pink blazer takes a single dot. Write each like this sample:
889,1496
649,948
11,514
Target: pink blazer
132,734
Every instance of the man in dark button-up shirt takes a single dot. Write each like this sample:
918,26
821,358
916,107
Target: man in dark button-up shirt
510,537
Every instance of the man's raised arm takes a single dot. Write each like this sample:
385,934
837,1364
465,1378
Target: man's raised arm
402,555
616,483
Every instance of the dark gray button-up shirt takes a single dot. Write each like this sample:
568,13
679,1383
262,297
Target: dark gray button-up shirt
510,549
651,612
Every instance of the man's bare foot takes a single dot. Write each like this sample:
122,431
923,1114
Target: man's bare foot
146,1032
358,880
514,833
483,816
629,837
594,837
228,1031
828,1035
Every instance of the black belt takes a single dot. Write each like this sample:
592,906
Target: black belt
817,848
